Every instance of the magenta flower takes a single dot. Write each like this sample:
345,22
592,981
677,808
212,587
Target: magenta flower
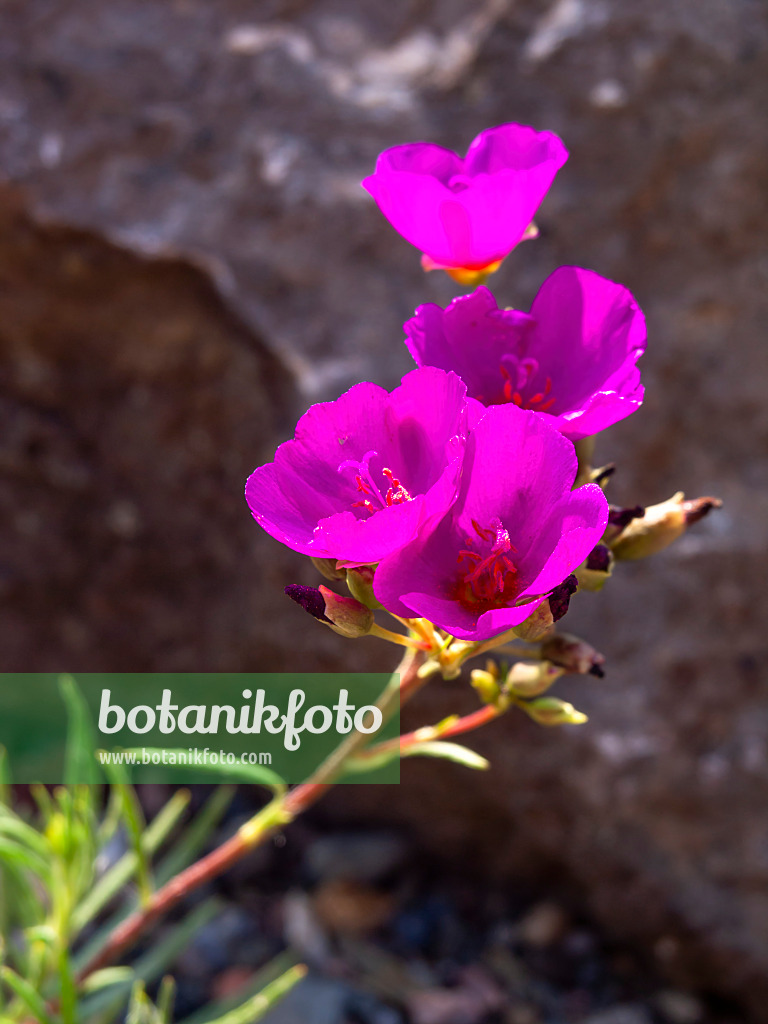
467,213
573,357
516,532
363,472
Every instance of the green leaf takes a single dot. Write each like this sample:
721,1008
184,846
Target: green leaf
165,999
110,884
153,963
5,777
14,828
370,762
192,840
109,976
22,894
80,753
254,1008
27,994
135,824
14,853
448,752
277,966
67,989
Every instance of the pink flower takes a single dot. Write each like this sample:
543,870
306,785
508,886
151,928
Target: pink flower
571,358
516,531
467,213
363,472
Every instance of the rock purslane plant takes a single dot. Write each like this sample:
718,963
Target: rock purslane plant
464,503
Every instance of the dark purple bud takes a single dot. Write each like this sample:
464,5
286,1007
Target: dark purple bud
599,560
310,599
560,597
622,517
603,475
573,654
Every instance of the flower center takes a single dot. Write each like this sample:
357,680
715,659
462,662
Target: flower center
487,576
517,375
373,497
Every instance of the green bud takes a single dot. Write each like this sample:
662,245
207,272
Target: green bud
552,711
486,682
360,583
529,680
660,526
327,567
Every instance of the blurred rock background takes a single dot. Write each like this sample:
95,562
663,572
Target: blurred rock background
187,260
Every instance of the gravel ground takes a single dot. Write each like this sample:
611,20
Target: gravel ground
391,938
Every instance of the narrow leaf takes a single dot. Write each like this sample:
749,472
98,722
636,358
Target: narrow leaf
448,752
5,777
153,963
192,840
134,821
254,1008
109,976
27,994
80,752
110,884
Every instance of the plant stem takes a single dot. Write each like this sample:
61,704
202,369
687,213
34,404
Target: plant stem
467,723
402,685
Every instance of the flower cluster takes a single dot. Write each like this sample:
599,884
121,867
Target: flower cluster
462,502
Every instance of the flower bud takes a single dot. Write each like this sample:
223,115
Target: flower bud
486,682
603,474
573,655
327,567
598,567
360,583
661,525
619,519
542,620
344,615
529,680
553,711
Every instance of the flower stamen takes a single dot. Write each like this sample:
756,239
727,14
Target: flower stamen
540,402
490,578
373,499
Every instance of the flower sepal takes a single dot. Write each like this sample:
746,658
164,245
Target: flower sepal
360,583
